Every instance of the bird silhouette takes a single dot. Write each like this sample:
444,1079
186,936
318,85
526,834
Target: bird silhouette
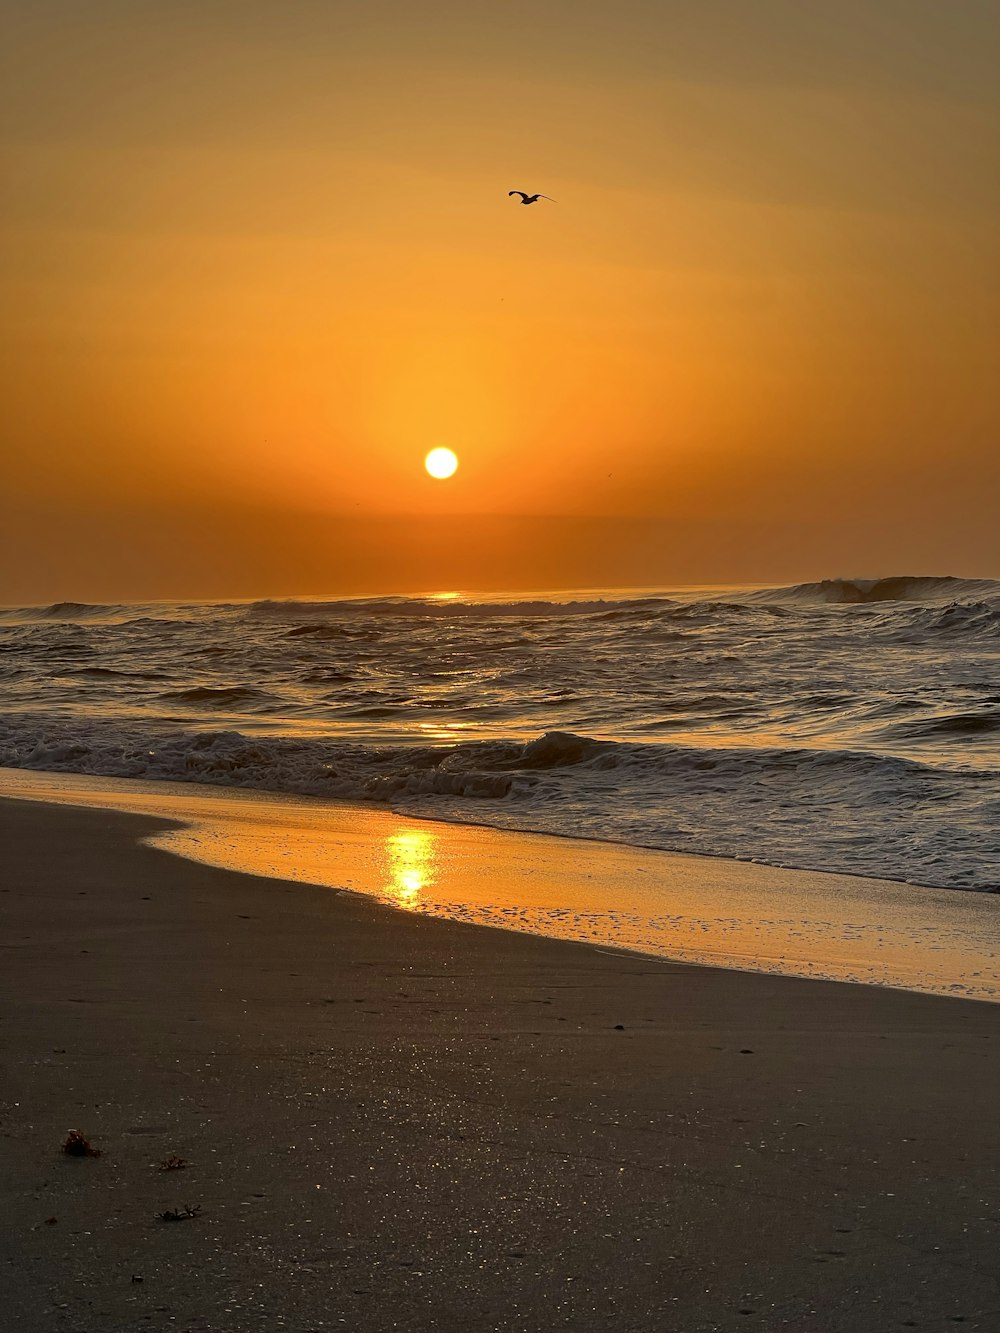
530,198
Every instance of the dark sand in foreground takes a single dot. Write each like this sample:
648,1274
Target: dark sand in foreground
395,1122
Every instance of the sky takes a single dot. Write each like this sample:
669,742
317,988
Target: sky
259,258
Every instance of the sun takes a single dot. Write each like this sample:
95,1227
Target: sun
441,463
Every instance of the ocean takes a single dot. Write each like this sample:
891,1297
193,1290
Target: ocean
846,725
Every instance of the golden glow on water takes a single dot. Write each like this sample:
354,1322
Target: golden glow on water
410,864
447,731
688,908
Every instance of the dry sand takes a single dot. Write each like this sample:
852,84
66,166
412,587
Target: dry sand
395,1122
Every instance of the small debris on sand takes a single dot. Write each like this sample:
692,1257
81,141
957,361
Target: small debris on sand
179,1214
173,1163
78,1145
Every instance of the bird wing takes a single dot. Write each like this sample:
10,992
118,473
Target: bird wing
548,197
520,192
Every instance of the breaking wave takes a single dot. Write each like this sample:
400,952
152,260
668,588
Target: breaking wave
858,813
900,588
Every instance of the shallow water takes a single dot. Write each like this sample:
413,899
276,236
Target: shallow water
687,908
847,726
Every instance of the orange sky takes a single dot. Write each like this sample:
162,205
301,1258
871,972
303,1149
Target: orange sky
259,258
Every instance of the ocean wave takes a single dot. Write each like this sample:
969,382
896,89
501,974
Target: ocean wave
321,629
121,615
977,619
976,722
898,588
301,612
63,611
948,604
423,608
855,812
113,673
221,696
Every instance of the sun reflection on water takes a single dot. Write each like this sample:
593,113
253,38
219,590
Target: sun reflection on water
410,862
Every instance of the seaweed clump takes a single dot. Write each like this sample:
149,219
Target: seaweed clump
78,1145
173,1163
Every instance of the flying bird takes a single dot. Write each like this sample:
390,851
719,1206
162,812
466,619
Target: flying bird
530,198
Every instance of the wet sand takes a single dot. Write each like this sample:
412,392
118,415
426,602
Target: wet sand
397,1122
691,909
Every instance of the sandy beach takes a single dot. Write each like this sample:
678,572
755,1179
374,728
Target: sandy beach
395,1122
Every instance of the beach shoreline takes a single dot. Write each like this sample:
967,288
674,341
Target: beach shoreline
705,910
394,1121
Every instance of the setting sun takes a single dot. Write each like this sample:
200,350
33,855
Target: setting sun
441,463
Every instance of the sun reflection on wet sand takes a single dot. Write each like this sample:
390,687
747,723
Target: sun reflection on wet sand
688,908
410,867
